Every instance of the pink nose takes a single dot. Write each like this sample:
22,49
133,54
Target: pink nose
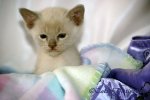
52,45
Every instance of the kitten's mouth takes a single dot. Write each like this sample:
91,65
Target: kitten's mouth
53,50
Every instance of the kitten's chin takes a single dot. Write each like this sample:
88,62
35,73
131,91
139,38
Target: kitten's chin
54,53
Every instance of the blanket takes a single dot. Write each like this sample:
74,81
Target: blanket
108,53
139,48
69,82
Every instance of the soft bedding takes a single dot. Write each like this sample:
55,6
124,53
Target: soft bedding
73,82
108,53
139,48
110,89
69,83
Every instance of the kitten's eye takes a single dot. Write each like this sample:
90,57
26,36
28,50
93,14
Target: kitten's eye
43,36
61,36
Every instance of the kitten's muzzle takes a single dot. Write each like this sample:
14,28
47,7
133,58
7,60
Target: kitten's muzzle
52,45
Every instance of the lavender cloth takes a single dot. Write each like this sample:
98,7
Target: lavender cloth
137,79
139,48
110,89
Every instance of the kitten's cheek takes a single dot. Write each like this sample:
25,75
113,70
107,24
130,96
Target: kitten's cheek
59,49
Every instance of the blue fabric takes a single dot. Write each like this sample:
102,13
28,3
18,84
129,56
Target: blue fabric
137,79
110,89
139,48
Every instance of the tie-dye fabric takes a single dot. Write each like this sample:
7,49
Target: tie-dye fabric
69,83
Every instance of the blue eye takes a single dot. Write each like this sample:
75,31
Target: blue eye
43,36
61,36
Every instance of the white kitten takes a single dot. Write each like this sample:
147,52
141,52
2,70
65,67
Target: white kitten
56,31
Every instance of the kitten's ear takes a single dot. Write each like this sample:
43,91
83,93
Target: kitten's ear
28,16
76,14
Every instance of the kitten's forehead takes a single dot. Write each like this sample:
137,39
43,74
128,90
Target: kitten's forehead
52,19
51,28
54,13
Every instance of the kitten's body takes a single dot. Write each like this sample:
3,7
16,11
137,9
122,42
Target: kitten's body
61,31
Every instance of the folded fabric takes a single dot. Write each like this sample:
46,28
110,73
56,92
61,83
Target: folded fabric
110,89
139,48
108,53
69,83
82,78
137,79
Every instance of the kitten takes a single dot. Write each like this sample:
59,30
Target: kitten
56,31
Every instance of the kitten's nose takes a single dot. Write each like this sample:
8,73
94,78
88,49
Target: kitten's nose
52,44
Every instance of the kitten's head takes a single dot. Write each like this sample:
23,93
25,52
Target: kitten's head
54,29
